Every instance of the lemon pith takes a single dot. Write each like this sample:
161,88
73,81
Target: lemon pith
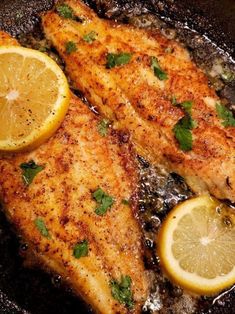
34,98
197,245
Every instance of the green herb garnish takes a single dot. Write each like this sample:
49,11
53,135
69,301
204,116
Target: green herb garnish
29,171
187,106
39,223
70,47
104,200
183,134
182,129
225,114
158,72
117,59
103,127
19,15
174,100
80,249
121,291
125,202
228,76
169,50
65,11
90,37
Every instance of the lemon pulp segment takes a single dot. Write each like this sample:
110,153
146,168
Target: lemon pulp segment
197,245
34,97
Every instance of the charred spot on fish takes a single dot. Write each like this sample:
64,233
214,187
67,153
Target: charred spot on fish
151,118
124,136
80,94
227,221
228,182
143,162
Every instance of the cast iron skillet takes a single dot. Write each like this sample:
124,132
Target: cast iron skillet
32,291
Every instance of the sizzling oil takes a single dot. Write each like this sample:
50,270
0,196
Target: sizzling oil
160,191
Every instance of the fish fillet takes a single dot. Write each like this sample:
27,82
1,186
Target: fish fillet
77,161
136,100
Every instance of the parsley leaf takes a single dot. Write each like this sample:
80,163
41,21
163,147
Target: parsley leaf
225,114
39,223
65,11
125,202
183,134
104,200
169,50
117,59
90,37
121,291
29,171
80,249
187,106
174,100
228,76
70,47
183,127
158,72
103,127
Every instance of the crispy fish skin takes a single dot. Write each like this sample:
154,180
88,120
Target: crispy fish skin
136,100
77,160
6,39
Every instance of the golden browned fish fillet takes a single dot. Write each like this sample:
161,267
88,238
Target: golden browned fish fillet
6,39
56,212
135,99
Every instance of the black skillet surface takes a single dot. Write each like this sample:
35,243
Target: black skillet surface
28,291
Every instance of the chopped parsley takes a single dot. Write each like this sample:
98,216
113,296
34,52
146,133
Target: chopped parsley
174,100
225,115
121,291
103,127
158,72
65,11
117,59
70,47
125,202
228,76
19,15
187,106
104,201
90,37
183,134
40,224
169,50
29,171
182,129
80,249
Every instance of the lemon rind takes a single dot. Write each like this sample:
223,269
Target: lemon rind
176,274
53,121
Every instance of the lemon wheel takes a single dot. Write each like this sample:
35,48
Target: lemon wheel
34,98
196,245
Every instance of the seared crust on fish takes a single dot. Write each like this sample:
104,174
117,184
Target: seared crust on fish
134,99
6,39
77,161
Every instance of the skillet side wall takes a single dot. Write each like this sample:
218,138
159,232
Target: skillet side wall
21,288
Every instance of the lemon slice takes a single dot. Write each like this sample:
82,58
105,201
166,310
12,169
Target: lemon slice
197,245
34,98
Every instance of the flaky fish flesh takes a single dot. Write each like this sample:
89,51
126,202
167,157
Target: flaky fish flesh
75,214
148,85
